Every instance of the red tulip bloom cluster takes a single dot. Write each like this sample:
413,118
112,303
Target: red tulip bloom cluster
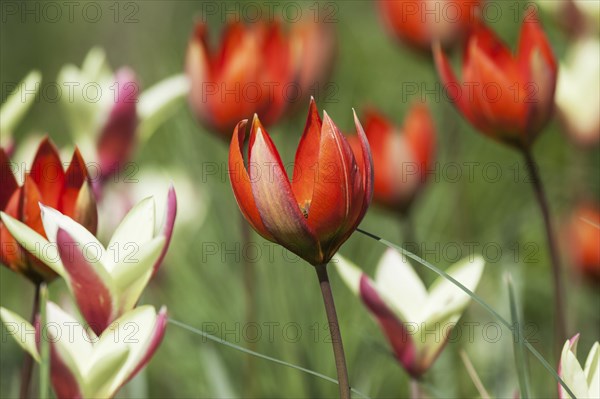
257,68
507,97
420,23
315,213
47,183
401,157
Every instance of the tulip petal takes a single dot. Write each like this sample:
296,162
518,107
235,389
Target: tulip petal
168,225
29,210
132,275
99,381
75,177
117,139
453,87
22,331
334,195
90,283
274,198
9,182
445,298
401,286
85,211
240,182
307,157
571,372
47,172
35,243
139,331
403,345
158,334
367,172
137,229
592,368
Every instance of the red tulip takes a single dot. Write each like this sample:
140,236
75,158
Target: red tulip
315,213
582,235
508,97
421,22
245,75
401,157
68,191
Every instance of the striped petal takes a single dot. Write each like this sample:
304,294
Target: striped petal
274,198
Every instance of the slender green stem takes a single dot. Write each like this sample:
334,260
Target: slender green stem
27,368
251,306
44,347
560,321
334,327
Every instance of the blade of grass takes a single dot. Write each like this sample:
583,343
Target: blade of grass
44,346
475,298
259,355
518,341
473,374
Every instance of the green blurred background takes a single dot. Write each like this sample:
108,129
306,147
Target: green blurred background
205,289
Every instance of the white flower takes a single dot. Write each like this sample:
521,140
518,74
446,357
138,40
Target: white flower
583,382
105,281
83,364
416,321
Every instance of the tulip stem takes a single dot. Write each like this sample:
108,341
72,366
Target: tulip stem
250,299
27,368
559,295
334,328
415,389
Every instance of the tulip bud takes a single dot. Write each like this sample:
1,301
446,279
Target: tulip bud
401,157
420,23
47,183
243,76
584,382
315,213
507,97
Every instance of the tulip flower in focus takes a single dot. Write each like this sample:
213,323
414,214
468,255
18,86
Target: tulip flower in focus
45,182
106,281
507,97
579,113
407,312
584,381
315,213
83,364
421,23
582,236
401,157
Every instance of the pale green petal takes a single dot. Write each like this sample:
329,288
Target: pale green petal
592,369
445,298
136,229
21,330
572,373
349,272
131,278
34,243
398,282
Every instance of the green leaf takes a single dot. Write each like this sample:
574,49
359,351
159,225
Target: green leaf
519,350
